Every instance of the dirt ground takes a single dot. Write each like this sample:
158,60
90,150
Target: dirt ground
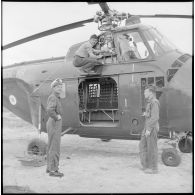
89,165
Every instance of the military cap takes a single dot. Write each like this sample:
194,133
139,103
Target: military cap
56,82
94,36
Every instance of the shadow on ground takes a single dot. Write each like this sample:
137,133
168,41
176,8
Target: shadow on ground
16,189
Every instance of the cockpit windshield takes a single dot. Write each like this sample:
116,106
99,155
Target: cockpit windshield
131,46
158,43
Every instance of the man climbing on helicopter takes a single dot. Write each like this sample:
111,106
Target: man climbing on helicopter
86,56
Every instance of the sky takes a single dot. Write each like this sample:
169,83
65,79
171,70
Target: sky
21,19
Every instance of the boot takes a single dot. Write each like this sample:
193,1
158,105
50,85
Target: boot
143,168
56,174
151,171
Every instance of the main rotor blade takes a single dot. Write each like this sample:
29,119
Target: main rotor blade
47,33
104,6
165,16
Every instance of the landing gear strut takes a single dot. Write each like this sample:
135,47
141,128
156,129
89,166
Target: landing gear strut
170,156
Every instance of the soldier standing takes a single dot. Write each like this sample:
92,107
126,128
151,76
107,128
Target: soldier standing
54,128
148,143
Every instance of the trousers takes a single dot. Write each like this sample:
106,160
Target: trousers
129,55
86,64
54,129
149,150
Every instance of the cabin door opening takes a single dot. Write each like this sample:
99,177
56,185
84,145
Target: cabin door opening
98,102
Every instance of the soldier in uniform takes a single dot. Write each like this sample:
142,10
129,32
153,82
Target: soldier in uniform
54,128
125,49
86,58
148,143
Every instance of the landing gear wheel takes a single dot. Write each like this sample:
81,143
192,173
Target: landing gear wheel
105,140
170,157
37,147
185,145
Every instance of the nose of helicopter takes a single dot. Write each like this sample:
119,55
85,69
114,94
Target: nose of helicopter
179,99
182,80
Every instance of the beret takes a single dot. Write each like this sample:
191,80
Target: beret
56,82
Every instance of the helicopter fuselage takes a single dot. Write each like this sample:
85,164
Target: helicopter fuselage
110,105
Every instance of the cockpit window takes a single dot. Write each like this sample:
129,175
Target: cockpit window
131,46
158,43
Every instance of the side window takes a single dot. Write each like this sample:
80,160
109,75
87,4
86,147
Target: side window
142,50
94,90
131,46
93,95
150,80
157,50
171,73
159,82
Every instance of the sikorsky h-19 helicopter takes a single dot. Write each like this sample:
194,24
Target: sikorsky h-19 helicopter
110,105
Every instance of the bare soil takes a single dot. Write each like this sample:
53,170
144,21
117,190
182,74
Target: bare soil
89,165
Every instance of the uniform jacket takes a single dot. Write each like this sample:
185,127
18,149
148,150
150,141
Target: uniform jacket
84,50
54,106
152,115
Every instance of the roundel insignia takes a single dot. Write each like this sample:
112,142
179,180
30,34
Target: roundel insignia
12,99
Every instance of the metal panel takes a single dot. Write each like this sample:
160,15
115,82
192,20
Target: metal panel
130,103
70,104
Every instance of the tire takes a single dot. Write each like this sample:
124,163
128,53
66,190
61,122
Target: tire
185,145
37,147
170,157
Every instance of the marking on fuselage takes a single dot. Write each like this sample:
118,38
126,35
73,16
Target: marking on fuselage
125,102
12,99
132,74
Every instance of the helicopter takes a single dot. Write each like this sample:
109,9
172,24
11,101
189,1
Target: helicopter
108,105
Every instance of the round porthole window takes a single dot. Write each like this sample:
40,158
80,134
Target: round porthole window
135,122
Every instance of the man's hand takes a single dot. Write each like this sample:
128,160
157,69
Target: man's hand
113,52
95,51
59,117
147,133
104,50
145,114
